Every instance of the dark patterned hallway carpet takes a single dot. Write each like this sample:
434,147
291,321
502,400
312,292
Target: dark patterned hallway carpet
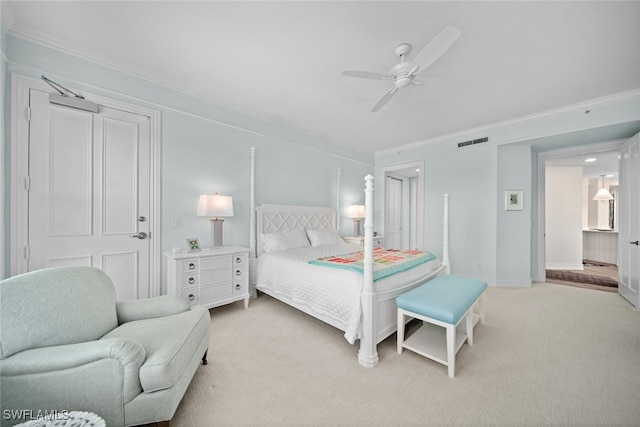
570,276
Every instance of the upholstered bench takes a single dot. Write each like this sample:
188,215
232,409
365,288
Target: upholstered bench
445,302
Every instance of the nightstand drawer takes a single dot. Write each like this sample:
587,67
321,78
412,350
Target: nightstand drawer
240,259
188,265
189,280
192,295
215,262
210,277
239,273
212,293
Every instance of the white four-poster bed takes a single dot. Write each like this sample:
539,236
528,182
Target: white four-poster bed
350,301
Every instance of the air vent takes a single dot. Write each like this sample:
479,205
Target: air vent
473,142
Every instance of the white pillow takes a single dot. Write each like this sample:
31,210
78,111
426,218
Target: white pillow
324,237
287,239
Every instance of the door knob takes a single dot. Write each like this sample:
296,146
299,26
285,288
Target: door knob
635,243
141,235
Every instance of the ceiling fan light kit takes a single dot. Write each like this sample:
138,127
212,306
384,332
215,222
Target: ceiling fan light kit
404,73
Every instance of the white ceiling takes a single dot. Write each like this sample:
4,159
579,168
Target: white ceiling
605,163
282,61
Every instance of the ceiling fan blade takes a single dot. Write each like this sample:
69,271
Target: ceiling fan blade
417,82
436,47
367,75
385,98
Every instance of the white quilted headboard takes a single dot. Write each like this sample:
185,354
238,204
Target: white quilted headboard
275,218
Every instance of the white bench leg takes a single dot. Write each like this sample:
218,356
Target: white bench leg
400,332
469,320
451,350
481,303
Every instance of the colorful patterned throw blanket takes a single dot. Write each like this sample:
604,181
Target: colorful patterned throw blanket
385,261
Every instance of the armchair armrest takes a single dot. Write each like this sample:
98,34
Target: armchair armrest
165,305
64,358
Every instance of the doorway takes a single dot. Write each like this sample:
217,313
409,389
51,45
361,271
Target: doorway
85,188
402,198
578,235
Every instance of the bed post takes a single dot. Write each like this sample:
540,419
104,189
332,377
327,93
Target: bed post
339,172
252,203
445,235
368,354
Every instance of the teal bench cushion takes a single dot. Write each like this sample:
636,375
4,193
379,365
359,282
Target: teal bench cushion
445,298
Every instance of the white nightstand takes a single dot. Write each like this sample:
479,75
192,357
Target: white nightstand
359,240
211,277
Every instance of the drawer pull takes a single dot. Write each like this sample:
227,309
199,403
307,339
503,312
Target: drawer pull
191,297
238,272
238,287
238,260
192,266
192,280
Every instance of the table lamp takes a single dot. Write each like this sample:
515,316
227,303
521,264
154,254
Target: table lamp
215,206
356,212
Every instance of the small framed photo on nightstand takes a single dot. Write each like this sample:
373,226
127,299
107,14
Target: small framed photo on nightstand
193,245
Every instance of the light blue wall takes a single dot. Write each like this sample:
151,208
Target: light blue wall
469,177
513,238
206,149
487,242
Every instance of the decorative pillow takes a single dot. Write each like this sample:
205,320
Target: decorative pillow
324,237
287,239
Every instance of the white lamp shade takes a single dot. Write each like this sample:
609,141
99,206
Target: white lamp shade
355,212
603,194
215,205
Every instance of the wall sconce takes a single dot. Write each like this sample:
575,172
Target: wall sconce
356,213
215,206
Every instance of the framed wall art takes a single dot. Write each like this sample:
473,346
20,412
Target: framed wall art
513,200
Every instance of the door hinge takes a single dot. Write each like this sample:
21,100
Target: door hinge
27,183
27,252
28,113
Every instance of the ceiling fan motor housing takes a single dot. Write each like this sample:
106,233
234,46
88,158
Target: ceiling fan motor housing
401,74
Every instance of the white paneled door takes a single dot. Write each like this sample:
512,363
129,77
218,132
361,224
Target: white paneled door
393,213
629,222
89,192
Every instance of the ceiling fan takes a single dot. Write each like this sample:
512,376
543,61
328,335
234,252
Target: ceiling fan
405,73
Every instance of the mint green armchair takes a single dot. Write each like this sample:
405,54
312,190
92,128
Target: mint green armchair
67,345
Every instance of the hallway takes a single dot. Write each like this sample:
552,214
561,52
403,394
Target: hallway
597,276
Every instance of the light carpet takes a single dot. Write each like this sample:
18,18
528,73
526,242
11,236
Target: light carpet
549,355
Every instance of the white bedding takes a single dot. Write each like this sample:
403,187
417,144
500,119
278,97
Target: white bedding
333,294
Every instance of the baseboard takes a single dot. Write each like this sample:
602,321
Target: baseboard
565,266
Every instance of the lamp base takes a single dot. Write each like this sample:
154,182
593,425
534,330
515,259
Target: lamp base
356,227
216,232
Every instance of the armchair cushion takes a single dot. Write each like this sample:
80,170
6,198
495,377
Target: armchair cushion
86,293
127,352
170,343
165,305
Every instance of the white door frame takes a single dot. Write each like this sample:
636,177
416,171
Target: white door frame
382,198
541,274
20,86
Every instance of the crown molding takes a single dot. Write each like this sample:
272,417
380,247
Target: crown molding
32,35
555,112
